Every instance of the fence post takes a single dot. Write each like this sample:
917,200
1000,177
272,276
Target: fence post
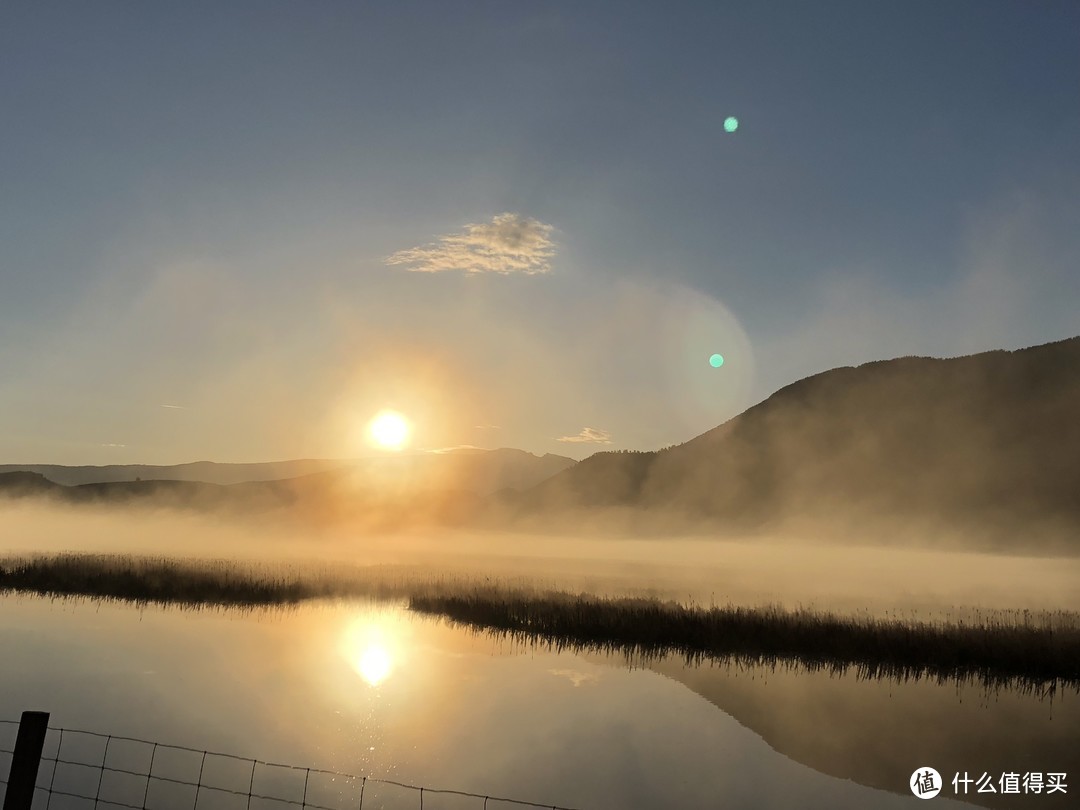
25,760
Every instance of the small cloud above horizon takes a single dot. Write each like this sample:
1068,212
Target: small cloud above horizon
510,243
112,444
588,435
457,448
488,427
173,407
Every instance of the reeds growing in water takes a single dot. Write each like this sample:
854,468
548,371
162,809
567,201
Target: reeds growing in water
1033,651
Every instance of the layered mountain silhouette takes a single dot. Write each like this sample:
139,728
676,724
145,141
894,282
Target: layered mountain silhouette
388,490
989,442
208,472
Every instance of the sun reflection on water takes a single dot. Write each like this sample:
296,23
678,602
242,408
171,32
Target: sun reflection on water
371,648
374,664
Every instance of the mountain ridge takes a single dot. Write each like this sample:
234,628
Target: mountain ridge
992,436
226,473
987,443
404,489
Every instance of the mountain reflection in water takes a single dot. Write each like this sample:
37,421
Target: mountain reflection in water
384,691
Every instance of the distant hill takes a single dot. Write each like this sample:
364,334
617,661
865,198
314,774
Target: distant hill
19,482
479,471
472,469
441,487
989,440
208,472
436,487
987,444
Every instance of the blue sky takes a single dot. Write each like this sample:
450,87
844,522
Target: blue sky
211,206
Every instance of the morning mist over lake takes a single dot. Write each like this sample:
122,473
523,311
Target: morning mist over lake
473,405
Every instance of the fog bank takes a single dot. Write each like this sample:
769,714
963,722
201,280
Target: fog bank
752,571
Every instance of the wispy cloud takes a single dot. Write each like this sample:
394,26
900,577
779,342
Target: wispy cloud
174,407
458,448
488,427
588,436
510,243
112,444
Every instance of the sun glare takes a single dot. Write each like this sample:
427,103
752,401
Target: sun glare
372,649
389,430
374,664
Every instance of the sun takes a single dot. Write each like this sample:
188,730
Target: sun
389,430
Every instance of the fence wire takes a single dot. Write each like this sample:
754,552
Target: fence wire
78,778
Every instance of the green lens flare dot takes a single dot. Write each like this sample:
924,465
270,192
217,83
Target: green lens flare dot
716,360
731,123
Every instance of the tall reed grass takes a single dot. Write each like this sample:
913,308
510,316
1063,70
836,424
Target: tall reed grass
1033,651
1020,649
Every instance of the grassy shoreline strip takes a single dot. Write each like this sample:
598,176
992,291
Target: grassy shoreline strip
1030,653
1025,654
142,580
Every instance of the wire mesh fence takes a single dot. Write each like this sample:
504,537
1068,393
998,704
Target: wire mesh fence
80,770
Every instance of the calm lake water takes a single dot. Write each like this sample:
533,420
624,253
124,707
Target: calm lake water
375,690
